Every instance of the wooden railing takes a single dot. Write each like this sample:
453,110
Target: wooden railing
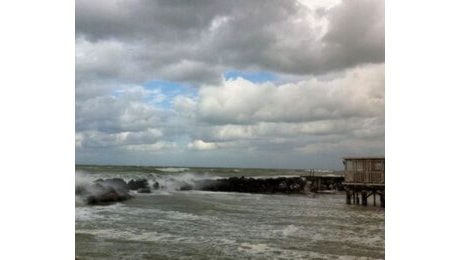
365,177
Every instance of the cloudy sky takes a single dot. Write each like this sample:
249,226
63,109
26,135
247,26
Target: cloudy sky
237,83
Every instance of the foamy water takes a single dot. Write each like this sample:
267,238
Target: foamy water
171,224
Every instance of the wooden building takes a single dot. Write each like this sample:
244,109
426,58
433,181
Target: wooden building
365,176
364,170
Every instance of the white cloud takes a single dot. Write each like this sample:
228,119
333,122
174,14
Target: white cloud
201,145
101,139
218,22
358,127
78,139
359,92
185,106
315,4
155,147
345,147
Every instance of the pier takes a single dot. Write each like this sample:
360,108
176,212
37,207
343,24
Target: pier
364,178
323,183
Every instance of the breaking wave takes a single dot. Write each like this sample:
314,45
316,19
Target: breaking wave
172,169
161,182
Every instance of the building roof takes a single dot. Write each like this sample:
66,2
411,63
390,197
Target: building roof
365,158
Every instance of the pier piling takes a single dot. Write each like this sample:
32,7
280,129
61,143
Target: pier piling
364,198
373,193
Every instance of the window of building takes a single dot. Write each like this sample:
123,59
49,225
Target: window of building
378,166
359,166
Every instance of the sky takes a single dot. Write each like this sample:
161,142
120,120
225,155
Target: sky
261,83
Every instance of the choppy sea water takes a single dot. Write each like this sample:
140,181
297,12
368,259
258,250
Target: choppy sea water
171,224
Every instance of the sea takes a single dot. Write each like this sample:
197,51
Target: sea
173,224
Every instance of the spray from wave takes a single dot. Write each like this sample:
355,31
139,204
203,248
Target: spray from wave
169,169
88,183
82,181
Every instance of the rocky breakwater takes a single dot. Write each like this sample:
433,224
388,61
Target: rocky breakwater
107,191
141,186
103,192
286,185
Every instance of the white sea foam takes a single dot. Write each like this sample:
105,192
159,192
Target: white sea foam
272,176
79,201
82,178
128,235
166,183
84,214
289,230
170,169
352,257
159,193
175,182
253,248
142,235
88,213
182,216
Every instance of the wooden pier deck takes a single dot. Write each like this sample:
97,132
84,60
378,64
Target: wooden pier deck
321,183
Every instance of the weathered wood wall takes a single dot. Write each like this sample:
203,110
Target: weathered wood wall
365,170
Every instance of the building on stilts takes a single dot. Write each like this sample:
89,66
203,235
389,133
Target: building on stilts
364,179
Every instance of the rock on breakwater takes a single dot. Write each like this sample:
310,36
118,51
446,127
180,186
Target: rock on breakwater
287,185
103,192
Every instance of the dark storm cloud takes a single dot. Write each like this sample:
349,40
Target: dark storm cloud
140,19
356,33
195,41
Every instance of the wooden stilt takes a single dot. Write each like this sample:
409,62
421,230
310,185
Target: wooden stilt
348,197
364,197
382,200
354,196
373,193
357,196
